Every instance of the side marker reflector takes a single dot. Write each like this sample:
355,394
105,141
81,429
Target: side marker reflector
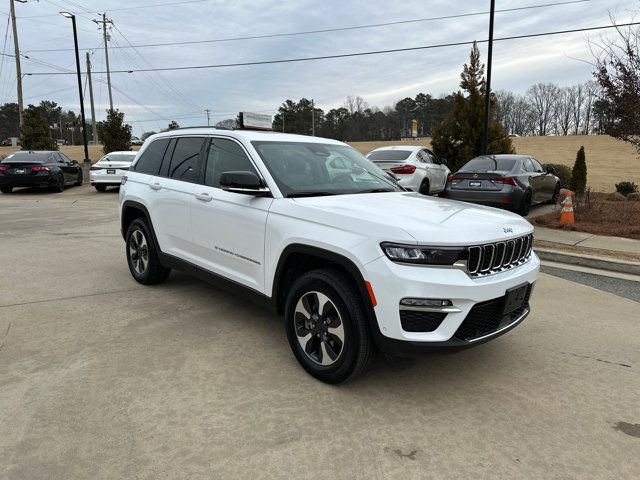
372,297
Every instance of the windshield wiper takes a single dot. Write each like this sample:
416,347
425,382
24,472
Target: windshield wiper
310,194
376,190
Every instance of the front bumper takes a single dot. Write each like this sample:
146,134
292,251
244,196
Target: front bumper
392,282
101,177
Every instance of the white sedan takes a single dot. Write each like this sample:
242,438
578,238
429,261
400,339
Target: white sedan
416,168
108,171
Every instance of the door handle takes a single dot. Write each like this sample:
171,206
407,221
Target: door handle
204,197
155,186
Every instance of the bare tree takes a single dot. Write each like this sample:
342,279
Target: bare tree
591,92
577,98
563,110
618,73
227,123
355,103
542,99
504,109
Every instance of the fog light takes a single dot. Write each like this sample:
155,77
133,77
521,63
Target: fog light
426,302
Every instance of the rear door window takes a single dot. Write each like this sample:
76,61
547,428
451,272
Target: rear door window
185,160
536,166
151,159
426,156
528,166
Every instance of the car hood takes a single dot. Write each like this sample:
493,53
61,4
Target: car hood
414,217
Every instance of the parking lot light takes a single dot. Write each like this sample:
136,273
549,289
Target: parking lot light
87,161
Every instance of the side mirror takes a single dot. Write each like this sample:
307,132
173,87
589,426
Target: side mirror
247,183
551,170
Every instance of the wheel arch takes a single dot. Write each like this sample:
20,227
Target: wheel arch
129,212
297,258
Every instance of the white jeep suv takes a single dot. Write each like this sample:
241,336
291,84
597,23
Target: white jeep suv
314,231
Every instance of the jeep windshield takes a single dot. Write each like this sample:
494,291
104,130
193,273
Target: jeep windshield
302,169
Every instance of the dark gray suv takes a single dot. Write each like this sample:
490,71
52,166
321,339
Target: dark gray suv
514,182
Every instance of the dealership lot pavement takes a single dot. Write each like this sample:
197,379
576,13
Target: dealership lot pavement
103,378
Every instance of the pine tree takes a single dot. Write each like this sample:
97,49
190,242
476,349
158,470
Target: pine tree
458,138
579,173
36,134
114,133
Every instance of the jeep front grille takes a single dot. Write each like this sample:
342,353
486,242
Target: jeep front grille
497,257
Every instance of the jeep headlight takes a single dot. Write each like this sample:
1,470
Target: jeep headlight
422,254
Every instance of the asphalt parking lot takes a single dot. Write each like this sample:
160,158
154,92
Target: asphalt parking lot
103,378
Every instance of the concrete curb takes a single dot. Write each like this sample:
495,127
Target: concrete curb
601,263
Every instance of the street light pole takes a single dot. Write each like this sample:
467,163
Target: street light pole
87,162
487,87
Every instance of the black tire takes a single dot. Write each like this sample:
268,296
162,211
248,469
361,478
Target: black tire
346,312
151,272
59,185
80,179
525,205
100,188
556,193
6,189
424,187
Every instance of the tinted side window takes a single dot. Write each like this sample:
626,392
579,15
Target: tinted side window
537,167
184,161
527,165
427,156
150,160
225,156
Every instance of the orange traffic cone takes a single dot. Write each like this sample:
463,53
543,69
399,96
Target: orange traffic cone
566,217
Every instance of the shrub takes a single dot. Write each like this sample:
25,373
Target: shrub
579,173
616,197
114,133
36,134
562,172
625,188
635,197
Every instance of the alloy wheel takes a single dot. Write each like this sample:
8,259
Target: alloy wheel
138,252
319,328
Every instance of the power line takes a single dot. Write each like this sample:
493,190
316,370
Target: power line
119,9
177,94
336,29
360,54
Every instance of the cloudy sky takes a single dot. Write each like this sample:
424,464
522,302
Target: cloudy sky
150,100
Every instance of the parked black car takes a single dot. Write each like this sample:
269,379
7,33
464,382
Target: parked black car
39,169
514,182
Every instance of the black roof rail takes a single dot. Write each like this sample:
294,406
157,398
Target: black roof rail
199,126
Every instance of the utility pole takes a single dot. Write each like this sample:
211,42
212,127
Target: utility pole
207,111
487,87
282,122
94,130
104,22
313,119
17,53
